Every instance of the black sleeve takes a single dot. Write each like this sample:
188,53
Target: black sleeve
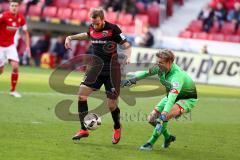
118,36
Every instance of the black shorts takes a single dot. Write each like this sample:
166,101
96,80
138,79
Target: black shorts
111,84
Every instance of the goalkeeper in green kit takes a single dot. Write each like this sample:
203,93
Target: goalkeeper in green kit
181,96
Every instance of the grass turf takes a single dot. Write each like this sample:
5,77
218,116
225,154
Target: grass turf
30,129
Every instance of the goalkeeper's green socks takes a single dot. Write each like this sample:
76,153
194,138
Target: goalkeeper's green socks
165,132
156,134
154,137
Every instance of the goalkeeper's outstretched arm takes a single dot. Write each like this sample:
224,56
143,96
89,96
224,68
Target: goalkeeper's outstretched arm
140,75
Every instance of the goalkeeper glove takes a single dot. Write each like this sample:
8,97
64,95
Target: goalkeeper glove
128,82
160,120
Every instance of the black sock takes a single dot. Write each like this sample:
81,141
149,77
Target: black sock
116,118
82,112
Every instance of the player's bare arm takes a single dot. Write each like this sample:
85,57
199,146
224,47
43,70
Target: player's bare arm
127,50
80,36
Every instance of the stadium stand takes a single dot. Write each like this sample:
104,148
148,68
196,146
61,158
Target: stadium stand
77,11
52,15
227,30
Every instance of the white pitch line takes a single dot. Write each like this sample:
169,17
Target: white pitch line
38,94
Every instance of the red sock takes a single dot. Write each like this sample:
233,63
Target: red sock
14,79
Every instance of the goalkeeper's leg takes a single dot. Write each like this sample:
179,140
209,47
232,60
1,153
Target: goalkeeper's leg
168,138
153,116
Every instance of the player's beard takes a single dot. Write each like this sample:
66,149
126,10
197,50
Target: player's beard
98,29
163,69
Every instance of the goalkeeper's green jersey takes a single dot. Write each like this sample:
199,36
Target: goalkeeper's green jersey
179,85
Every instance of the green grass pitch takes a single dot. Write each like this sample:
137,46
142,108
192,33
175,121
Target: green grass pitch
30,129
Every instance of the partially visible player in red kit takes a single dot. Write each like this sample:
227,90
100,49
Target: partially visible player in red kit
10,22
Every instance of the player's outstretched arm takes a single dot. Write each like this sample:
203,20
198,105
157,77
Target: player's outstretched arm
128,82
141,75
138,76
80,36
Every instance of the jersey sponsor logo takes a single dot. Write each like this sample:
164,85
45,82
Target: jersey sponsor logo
10,20
98,42
12,28
104,33
174,91
175,84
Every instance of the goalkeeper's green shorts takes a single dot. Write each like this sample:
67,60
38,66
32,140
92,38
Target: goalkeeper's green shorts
186,104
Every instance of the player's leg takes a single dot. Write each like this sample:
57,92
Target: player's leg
152,120
84,92
112,87
2,59
90,84
179,108
12,56
115,112
152,117
14,79
168,138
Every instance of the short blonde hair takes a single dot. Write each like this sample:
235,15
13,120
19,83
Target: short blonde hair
166,54
97,12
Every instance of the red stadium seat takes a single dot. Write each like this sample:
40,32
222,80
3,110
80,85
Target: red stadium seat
214,28
143,18
229,4
141,7
80,14
61,3
169,7
125,19
111,17
5,6
185,34
123,28
77,4
64,13
93,3
130,29
127,29
228,28
181,2
34,10
22,8
232,38
195,26
238,31
216,37
153,14
50,11
200,35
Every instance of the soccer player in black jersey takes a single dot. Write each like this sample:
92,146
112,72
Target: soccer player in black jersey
104,37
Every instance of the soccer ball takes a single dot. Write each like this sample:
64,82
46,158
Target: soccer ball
92,121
